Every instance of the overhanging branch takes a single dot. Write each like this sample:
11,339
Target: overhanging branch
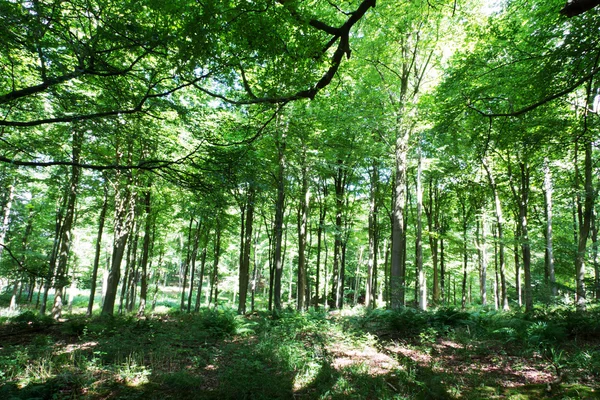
541,102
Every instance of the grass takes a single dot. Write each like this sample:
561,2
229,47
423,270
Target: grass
379,354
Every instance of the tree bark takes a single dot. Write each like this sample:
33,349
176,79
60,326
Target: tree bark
398,267
214,282
338,267
193,263
148,237
421,281
584,212
483,258
67,225
322,214
6,215
525,246
302,300
595,262
549,242
101,221
124,212
499,233
244,271
370,295
278,228
432,211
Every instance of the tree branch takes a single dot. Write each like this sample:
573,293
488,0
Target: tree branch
576,7
541,102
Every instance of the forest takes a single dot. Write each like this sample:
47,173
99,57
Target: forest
299,199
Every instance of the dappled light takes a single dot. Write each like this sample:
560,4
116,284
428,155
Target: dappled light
299,199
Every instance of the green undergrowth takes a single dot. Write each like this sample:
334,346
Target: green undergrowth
216,354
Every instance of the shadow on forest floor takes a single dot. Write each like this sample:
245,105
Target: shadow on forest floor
217,355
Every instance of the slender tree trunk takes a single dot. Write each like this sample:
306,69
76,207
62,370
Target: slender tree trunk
193,263
465,262
279,212
148,236
322,214
217,253
338,268
6,216
303,301
325,272
500,234
421,282
585,211
370,295
496,291
595,255
134,275
54,253
548,211
65,242
200,278
255,270
443,293
483,258
128,269
244,273
124,212
432,213
398,267
101,221
518,282
186,266
525,246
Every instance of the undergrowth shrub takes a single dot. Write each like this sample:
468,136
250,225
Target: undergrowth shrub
218,322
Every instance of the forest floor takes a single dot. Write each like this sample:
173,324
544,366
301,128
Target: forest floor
445,354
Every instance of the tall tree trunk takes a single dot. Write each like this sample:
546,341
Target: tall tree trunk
584,212
193,263
98,249
128,267
525,246
214,282
201,277
6,216
370,295
496,280
186,266
67,225
465,257
518,282
148,237
302,300
595,262
124,213
432,212
279,213
54,253
244,272
338,268
322,214
483,258
443,293
499,233
549,256
255,270
398,267
421,282
397,273
134,276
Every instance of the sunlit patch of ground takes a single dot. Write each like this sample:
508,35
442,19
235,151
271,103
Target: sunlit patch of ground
446,356
345,355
